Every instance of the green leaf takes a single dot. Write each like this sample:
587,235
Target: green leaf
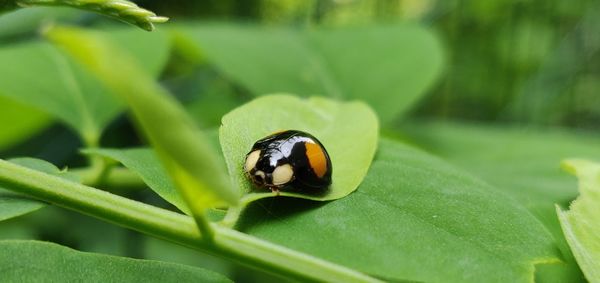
347,130
413,218
39,75
520,162
216,99
390,67
156,249
150,50
12,204
46,167
581,224
146,164
33,261
29,20
184,149
19,122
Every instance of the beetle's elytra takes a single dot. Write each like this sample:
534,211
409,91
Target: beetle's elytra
289,160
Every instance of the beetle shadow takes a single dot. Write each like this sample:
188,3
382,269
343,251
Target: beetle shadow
274,209
298,188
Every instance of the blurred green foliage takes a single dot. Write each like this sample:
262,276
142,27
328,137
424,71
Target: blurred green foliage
531,64
525,61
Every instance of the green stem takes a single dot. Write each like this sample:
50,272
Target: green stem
122,10
232,216
205,227
234,212
116,178
171,226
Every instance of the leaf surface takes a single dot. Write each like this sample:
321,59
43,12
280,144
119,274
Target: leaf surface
33,261
19,122
581,222
520,162
388,66
146,164
347,130
413,218
39,75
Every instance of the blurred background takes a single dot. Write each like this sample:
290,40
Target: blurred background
525,61
531,64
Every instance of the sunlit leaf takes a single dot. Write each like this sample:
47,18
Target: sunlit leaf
581,222
33,261
347,130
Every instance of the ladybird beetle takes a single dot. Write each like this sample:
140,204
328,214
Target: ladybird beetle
289,160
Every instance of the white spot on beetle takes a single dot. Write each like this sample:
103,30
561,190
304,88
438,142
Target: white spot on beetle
282,174
251,160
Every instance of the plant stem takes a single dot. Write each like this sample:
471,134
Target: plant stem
234,212
171,226
122,10
116,178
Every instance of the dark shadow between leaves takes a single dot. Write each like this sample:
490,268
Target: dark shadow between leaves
274,209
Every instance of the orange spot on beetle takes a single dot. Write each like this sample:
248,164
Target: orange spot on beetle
316,158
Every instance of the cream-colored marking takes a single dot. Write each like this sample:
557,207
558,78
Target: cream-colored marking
282,174
261,174
251,160
316,158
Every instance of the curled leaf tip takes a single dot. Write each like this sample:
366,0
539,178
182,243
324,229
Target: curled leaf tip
132,13
576,166
159,19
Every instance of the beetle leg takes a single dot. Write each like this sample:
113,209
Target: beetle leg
275,189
